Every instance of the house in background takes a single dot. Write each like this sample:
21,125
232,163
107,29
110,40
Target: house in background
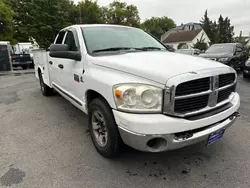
187,35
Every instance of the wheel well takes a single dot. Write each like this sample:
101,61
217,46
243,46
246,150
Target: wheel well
39,71
91,95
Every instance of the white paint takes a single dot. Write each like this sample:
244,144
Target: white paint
103,72
162,124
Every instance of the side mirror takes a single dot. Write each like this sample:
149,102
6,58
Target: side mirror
62,51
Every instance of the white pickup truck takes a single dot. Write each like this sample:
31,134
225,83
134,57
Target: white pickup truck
135,91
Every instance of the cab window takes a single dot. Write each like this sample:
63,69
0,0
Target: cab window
60,37
70,41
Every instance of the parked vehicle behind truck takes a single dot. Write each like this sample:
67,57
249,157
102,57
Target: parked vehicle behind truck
22,56
135,91
231,54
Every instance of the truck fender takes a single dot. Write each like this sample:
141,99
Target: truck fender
39,69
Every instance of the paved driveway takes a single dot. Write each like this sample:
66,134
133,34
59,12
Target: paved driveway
44,142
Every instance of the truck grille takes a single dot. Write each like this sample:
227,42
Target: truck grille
226,79
224,94
194,86
190,104
201,95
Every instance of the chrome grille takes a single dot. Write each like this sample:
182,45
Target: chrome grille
190,104
193,97
224,94
194,86
226,79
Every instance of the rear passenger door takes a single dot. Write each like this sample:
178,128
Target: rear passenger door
54,70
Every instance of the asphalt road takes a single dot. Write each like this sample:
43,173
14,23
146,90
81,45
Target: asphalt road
44,142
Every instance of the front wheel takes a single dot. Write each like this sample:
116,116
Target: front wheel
103,129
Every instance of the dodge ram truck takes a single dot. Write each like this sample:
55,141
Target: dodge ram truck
135,91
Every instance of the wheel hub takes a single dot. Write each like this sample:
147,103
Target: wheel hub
99,128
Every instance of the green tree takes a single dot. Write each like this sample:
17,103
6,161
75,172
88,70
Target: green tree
224,30
6,18
121,13
40,19
158,25
209,27
220,31
89,12
200,44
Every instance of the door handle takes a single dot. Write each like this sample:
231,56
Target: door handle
50,62
60,66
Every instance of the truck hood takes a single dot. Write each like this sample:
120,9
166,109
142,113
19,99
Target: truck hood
157,66
216,55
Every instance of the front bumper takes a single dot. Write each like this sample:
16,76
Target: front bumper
137,130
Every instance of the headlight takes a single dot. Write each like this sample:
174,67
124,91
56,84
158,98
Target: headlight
138,98
223,59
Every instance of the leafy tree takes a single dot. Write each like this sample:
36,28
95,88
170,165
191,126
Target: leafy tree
158,25
6,19
200,44
225,30
40,19
218,32
209,27
121,13
89,12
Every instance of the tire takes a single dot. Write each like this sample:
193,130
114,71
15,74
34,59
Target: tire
24,67
46,90
111,142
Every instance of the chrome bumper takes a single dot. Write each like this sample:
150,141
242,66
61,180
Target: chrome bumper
173,141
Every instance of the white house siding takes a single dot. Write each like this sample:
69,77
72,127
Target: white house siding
205,37
194,41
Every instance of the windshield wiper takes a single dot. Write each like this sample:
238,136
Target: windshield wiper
127,48
113,49
150,48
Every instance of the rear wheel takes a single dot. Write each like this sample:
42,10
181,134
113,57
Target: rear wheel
103,129
46,90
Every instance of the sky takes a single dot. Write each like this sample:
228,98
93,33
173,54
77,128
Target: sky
184,11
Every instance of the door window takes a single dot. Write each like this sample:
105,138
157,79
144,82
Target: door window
60,37
70,41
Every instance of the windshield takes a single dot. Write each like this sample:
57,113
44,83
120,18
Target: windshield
220,48
113,37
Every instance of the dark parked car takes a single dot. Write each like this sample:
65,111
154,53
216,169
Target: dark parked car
246,70
231,54
21,60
